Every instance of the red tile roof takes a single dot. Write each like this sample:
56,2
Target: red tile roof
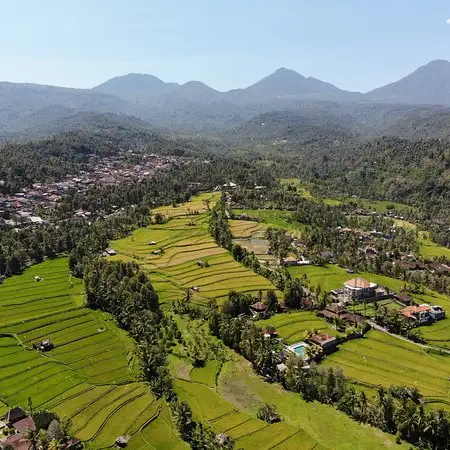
25,424
17,442
321,338
409,311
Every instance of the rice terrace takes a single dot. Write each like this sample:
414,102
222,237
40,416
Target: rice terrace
92,373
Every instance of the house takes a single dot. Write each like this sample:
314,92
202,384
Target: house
289,261
12,416
17,420
354,319
122,441
440,268
110,251
327,342
437,312
16,442
44,346
258,310
404,299
222,439
332,311
359,289
421,314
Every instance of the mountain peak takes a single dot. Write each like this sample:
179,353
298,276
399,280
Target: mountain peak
429,84
288,82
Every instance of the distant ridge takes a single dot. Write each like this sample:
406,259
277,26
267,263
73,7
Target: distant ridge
429,84
195,106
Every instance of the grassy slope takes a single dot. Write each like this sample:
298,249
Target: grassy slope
327,426
91,373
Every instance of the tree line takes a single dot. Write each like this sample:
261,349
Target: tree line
124,291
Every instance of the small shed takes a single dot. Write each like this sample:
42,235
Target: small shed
122,441
222,439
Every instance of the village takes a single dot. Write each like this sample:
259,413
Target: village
33,205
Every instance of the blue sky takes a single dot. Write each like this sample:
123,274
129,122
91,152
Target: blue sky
355,44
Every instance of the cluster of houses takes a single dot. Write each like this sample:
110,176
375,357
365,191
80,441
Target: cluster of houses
14,426
361,290
20,209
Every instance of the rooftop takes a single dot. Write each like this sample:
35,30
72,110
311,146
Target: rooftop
359,283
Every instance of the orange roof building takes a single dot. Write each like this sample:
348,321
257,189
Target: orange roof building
359,288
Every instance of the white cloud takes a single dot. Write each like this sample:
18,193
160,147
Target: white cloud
448,21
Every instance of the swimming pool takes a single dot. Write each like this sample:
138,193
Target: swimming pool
299,349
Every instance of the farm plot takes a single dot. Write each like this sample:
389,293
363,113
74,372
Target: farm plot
293,326
23,297
249,432
90,375
180,265
197,204
274,218
382,360
437,334
242,229
429,249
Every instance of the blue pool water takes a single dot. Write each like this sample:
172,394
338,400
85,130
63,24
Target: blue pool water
300,350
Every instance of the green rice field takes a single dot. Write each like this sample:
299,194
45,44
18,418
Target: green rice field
273,218
185,241
383,360
293,326
429,249
91,375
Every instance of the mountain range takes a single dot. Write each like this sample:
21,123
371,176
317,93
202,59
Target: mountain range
194,106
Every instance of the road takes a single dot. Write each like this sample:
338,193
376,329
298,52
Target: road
424,346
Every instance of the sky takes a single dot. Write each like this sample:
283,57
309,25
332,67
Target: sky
354,44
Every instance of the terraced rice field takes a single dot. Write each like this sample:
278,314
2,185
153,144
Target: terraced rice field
429,249
200,391
293,326
185,241
274,218
243,229
23,297
198,204
382,360
91,374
